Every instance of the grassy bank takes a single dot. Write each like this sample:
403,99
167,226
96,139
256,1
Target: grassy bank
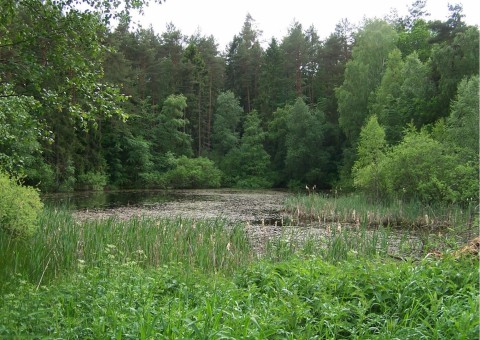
177,278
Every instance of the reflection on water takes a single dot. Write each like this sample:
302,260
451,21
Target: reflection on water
114,199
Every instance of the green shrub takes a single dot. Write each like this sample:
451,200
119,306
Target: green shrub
19,207
67,179
153,180
254,182
190,173
425,169
40,175
419,168
92,180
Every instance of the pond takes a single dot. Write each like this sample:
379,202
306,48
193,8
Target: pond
260,211
253,206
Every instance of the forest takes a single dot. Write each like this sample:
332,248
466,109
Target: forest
388,108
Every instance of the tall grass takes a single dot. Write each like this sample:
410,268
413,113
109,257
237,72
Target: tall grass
62,245
351,224
355,209
335,243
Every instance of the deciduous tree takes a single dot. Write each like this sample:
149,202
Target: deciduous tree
371,153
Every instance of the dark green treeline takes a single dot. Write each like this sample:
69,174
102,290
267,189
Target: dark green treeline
85,106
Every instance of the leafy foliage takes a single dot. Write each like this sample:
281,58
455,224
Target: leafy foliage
307,157
248,165
419,168
452,62
293,298
92,181
463,121
363,74
170,135
371,152
226,124
19,207
193,173
19,133
276,143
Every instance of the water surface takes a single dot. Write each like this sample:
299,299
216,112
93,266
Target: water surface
254,206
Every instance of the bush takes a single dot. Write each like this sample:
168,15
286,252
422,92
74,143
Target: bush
419,168
19,207
67,180
254,182
153,180
191,173
423,168
92,180
40,175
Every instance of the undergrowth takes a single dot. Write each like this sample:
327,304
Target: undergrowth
298,298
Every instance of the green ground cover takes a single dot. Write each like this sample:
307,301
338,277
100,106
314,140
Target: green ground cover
298,298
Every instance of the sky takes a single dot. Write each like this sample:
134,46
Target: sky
224,18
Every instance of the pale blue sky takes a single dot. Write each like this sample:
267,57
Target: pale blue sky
224,18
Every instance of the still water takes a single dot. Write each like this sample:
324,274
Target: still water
96,200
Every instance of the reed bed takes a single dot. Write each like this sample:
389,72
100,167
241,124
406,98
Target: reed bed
336,242
62,245
356,209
